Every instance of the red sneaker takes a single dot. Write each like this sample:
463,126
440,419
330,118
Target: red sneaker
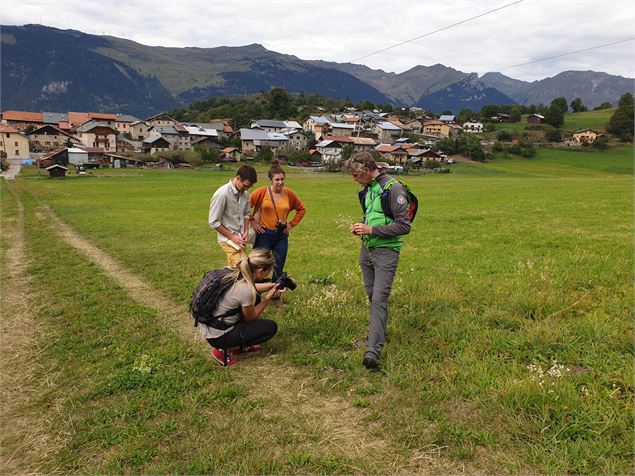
250,349
219,356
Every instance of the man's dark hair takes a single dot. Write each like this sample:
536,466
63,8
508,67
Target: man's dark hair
360,161
247,172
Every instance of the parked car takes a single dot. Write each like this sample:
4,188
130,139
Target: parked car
315,164
451,161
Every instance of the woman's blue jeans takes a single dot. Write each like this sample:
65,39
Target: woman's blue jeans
277,242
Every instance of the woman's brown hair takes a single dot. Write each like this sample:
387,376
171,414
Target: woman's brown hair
275,169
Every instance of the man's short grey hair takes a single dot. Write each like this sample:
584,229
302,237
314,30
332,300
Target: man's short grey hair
360,161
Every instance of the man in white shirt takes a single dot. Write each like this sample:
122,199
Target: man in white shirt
229,214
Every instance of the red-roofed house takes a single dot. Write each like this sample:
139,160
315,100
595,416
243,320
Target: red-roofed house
77,118
20,120
231,154
392,152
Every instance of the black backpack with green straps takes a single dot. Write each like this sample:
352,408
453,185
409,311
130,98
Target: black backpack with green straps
413,201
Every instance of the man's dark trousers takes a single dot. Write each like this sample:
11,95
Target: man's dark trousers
378,270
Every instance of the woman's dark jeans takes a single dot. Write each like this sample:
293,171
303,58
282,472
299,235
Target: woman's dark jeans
245,334
277,242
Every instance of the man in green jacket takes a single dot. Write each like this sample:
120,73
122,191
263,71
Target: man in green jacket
382,239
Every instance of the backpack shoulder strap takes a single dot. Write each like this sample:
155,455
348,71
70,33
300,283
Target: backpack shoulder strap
361,194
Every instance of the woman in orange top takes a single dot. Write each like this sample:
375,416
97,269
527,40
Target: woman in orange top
269,218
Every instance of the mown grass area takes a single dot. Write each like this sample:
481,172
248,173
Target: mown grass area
596,120
511,332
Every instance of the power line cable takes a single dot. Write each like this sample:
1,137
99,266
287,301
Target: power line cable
436,31
567,54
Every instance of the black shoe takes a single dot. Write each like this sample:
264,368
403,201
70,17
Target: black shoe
370,362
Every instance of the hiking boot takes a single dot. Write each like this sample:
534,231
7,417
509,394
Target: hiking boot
371,362
219,356
250,349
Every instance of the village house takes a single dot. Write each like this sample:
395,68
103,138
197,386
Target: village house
57,171
471,127
57,119
274,126
501,117
13,144
98,134
49,137
535,119
57,156
154,144
123,123
79,118
206,142
161,119
585,136
415,125
386,131
353,120
454,130
436,128
391,152
231,154
420,157
341,129
139,130
126,145
252,140
311,124
177,135
197,132
359,144
297,140
318,125
223,131
447,118
330,151
20,120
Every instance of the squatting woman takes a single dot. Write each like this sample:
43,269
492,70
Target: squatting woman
241,330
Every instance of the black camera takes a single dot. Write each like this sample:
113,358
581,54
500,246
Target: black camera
281,226
285,281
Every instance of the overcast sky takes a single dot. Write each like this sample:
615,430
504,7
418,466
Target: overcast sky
342,31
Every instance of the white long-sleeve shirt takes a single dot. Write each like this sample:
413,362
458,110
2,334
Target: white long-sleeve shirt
230,208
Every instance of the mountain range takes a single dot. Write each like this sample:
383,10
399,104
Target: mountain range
47,69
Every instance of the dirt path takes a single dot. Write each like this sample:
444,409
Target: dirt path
25,438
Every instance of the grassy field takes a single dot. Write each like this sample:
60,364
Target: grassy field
510,334
596,120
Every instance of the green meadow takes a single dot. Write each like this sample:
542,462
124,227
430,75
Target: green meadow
597,120
510,331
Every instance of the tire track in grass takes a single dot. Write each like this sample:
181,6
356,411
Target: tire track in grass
289,393
26,442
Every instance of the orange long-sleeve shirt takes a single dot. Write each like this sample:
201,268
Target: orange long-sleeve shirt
261,202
